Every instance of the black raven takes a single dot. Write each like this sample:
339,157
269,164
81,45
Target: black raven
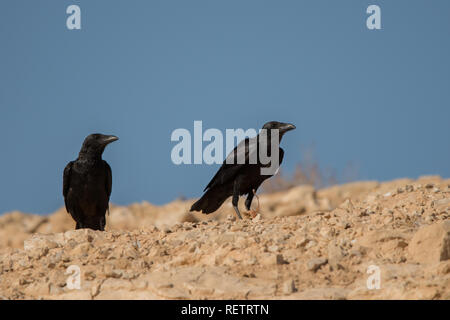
87,183
236,177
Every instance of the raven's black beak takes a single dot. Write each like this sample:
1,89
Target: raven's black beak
109,139
285,127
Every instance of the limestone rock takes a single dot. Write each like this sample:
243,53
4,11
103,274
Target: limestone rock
431,244
303,244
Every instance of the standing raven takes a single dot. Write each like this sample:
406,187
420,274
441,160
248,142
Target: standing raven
236,178
87,183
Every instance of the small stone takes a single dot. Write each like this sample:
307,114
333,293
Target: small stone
289,287
81,250
348,205
280,259
39,242
24,282
257,218
431,244
402,244
310,244
443,268
90,275
441,204
236,227
335,255
363,213
114,274
95,289
345,225
388,220
301,242
315,264
166,229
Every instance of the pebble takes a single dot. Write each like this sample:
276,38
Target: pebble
289,287
257,218
315,264
280,259
310,244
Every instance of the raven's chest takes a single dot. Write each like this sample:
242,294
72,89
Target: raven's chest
88,178
251,178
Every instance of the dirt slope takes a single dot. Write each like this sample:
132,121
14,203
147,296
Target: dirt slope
303,244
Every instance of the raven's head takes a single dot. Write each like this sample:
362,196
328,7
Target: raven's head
281,126
94,144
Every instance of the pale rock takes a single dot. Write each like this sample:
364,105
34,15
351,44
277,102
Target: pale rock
335,255
431,244
280,259
288,287
39,241
315,264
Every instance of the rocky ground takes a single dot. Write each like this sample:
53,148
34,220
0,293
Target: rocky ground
302,244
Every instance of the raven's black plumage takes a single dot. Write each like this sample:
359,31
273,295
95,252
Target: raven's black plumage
240,179
87,183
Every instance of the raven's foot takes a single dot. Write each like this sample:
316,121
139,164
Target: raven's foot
237,212
252,212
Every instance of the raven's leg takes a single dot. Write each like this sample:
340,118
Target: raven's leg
248,202
236,197
102,223
78,226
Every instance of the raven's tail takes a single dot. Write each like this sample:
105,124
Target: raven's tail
211,200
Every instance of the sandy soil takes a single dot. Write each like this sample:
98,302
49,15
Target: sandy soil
303,244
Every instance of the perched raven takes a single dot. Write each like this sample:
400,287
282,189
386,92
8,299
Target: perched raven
235,177
87,183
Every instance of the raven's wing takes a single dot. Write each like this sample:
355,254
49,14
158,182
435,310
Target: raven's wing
244,153
108,182
66,182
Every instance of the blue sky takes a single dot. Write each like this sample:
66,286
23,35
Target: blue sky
140,69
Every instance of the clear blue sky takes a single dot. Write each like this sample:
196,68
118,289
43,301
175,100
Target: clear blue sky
140,69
